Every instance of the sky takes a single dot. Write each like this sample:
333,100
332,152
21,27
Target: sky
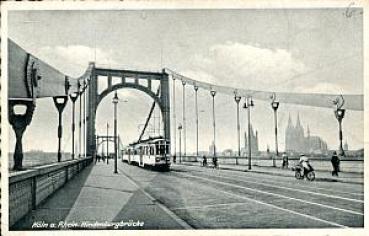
282,50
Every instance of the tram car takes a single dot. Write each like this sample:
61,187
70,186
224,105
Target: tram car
152,152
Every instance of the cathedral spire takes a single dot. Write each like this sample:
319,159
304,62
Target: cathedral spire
298,123
289,121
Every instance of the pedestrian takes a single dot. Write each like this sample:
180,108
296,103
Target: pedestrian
335,164
174,158
284,161
215,162
204,161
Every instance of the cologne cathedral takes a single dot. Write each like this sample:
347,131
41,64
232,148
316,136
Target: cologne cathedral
297,142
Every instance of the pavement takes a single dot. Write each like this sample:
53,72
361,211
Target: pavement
344,177
99,199
193,197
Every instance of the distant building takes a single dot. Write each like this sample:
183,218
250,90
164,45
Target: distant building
297,142
211,149
228,152
345,146
254,143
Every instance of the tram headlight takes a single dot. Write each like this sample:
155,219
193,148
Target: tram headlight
157,159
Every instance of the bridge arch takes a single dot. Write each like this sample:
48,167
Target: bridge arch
139,87
142,81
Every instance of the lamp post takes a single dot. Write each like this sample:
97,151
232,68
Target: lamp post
197,121
115,102
174,117
73,97
184,116
80,120
84,119
214,147
238,99
340,114
180,145
248,104
275,105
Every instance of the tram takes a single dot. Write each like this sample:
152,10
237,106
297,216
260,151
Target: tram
153,152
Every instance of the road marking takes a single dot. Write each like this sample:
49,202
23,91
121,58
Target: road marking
332,191
325,189
296,190
283,209
275,194
209,205
268,180
280,208
164,208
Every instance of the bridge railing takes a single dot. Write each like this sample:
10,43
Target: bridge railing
27,189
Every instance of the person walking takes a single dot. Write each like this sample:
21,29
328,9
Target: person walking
174,158
335,164
204,161
284,161
215,162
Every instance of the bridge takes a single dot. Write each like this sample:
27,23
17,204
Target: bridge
85,192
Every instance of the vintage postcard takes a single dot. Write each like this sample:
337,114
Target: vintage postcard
181,118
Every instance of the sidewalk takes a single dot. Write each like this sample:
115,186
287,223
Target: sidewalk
344,177
94,199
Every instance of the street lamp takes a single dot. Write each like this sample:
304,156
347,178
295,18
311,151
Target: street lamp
197,121
180,145
184,116
275,105
80,92
73,97
238,99
213,96
174,118
248,104
115,102
340,114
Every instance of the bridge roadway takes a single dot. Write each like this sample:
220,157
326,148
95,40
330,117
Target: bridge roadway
200,198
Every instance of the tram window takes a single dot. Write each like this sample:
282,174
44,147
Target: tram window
160,148
157,148
152,150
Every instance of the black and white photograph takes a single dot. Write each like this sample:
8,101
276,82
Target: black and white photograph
189,118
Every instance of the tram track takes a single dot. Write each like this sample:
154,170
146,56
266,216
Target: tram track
273,194
242,180
246,196
236,194
270,180
175,217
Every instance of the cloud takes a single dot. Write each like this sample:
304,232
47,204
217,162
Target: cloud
247,66
73,59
